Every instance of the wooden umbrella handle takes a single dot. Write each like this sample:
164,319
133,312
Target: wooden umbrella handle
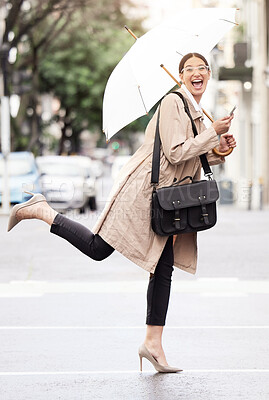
224,154
215,150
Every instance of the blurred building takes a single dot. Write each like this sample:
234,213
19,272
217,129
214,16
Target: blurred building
243,79
249,70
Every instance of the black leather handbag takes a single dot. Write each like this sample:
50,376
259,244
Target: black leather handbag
182,208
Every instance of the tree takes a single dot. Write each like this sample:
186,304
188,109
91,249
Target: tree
79,64
71,46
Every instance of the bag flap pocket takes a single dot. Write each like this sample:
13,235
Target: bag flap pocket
195,216
168,223
189,195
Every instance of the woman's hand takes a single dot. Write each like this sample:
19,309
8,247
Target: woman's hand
227,141
222,125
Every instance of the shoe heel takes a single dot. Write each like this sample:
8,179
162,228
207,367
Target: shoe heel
36,198
140,363
143,352
26,191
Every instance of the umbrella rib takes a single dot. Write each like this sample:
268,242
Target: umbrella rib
231,22
142,99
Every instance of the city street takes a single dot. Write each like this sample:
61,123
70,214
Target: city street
85,87
71,327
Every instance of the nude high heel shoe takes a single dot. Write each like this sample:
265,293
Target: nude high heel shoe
12,218
143,352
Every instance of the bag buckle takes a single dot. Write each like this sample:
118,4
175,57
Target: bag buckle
209,176
204,215
177,218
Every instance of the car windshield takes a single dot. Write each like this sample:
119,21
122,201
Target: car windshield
16,167
59,169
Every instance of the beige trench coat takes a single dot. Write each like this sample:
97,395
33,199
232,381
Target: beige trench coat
125,221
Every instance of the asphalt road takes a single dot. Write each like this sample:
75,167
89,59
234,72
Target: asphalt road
70,327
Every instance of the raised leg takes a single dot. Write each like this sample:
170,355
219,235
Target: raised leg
75,233
81,237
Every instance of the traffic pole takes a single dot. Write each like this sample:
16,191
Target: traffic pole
5,129
5,145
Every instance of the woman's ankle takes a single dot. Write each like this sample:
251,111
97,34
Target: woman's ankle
153,344
50,216
154,334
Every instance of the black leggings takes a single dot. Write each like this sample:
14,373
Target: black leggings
96,248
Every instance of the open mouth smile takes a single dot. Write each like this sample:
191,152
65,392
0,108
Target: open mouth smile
197,83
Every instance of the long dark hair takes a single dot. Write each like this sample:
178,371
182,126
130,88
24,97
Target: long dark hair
190,55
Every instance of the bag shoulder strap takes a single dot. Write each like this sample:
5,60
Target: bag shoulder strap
155,169
155,172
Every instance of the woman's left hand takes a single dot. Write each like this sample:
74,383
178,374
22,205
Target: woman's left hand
227,141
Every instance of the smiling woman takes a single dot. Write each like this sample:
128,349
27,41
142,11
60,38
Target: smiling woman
125,223
194,72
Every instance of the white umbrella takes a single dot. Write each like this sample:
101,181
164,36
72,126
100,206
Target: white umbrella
137,83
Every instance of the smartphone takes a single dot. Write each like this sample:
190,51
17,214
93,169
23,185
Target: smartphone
231,113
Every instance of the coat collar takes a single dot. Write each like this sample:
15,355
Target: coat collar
194,113
196,105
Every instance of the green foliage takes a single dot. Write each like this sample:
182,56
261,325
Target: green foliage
71,48
80,61
76,70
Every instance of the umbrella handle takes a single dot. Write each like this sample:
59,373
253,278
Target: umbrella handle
224,154
215,150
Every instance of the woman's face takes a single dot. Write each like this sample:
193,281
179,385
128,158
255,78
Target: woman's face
195,76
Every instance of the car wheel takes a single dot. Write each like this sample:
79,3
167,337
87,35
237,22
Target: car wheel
92,203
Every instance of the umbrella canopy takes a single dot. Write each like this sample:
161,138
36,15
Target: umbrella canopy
137,83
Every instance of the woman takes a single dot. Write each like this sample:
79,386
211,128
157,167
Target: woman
128,207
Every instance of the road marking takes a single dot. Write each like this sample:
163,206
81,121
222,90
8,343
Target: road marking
33,373
224,294
231,287
220,278
3,328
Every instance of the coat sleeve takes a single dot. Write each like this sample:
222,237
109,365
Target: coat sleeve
174,126
214,159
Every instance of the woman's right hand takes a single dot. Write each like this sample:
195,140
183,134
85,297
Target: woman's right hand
222,125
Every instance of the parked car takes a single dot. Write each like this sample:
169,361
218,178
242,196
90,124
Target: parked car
23,175
117,165
91,171
62,182
97,168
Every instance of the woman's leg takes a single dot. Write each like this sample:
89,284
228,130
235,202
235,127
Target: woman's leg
76,234
157,302
81,237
